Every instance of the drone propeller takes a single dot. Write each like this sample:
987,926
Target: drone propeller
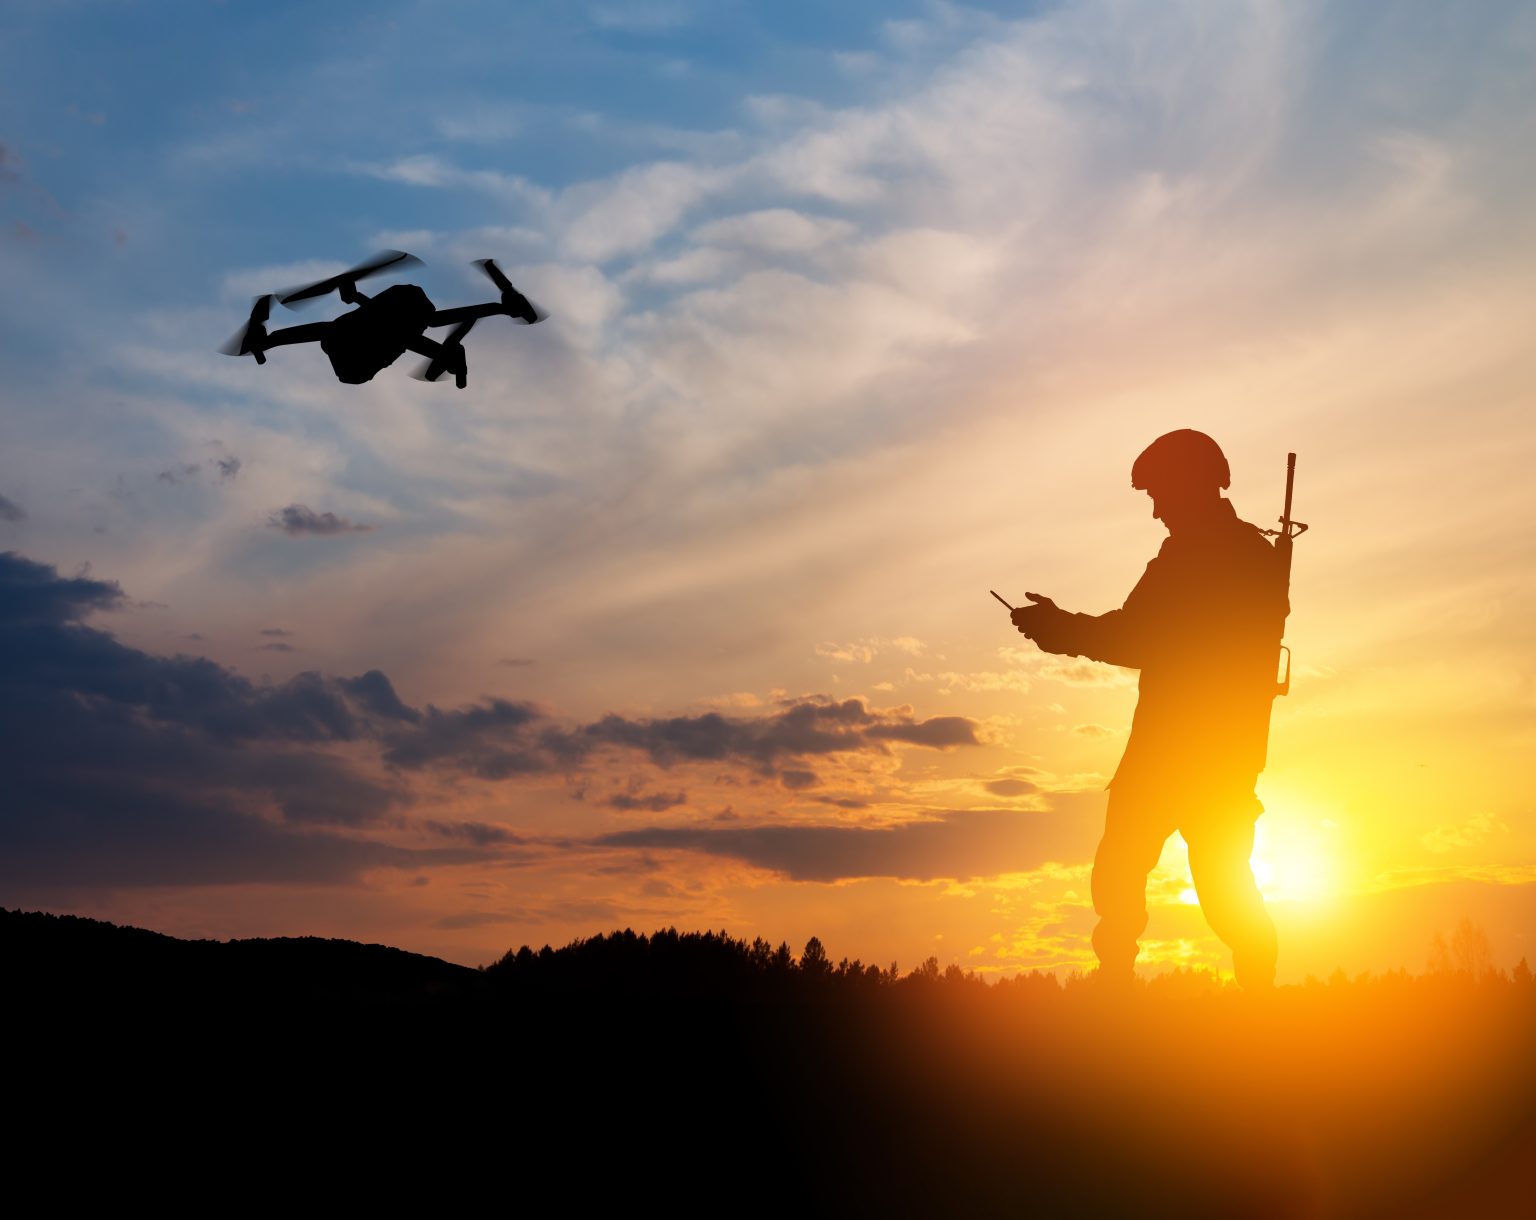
385,258
250,339
512,300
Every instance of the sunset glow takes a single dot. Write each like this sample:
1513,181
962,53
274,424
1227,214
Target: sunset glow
678,614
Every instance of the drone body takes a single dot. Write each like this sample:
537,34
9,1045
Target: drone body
374,335
381,328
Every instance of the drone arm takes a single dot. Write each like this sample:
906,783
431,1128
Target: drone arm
467,313
308,332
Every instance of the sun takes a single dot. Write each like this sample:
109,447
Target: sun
1294,859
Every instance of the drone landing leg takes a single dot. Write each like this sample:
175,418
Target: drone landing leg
445,356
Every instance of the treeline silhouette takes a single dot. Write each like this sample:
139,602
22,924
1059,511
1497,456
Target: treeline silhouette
695,964
703,1072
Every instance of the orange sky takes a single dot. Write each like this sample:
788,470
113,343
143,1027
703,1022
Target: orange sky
806,393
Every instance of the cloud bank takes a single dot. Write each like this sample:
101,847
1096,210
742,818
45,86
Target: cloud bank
126,768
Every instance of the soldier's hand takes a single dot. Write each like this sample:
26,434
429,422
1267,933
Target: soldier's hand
1034,620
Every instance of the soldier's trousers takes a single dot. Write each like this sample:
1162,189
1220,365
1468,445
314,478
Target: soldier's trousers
1219,832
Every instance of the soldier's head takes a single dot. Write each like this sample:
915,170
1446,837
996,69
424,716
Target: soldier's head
1184,472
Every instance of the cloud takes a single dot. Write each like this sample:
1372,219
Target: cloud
481,834
480,919
33,595
987,680
201,727
642,16
499,738
123,768
375,694
807,728
493,740
1010,787
976,843
1468,833
634,209
297,520
937,732
10,510
865,651
655,802
229,467
776,230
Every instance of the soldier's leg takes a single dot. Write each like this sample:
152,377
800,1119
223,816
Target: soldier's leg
1219,853
1134,831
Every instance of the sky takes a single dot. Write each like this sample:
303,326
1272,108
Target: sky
677,615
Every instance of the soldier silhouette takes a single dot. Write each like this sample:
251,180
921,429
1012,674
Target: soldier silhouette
1203,626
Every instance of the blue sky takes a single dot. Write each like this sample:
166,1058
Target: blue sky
856,311
224,128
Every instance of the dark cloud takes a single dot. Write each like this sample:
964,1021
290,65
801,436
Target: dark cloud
177,474
481,834
11,511
976,843
1010,787
123,768
229,467
806,728
33,595
499,738
275,632
479,919
297,520
493,740
655,802
276,646
374,692
938,733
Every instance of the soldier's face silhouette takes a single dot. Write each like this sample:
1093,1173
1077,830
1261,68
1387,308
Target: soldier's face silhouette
1181,505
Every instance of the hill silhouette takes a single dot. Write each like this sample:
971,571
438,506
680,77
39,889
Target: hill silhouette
700,1072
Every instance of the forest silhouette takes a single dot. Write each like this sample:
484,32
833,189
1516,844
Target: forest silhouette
697,1068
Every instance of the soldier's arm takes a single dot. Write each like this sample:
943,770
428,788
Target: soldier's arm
1116,638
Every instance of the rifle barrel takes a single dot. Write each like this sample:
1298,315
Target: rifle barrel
1290,484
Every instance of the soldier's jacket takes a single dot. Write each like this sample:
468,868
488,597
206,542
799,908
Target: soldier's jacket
1203,625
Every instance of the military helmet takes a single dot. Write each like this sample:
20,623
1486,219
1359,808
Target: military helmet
1183,457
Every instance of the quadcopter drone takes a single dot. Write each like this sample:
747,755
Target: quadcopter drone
382,328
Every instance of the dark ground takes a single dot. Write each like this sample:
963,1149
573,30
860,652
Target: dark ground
702,1074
